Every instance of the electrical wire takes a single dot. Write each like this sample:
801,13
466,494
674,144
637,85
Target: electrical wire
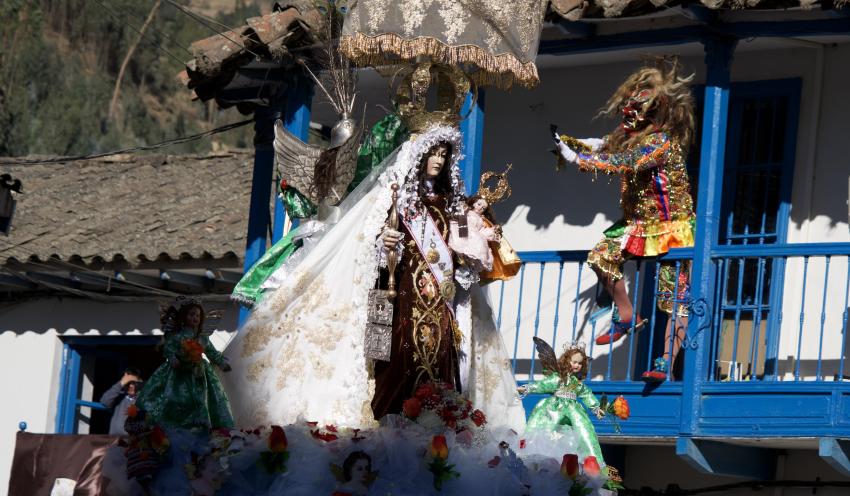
162,144
106,298
197,18
141,34
110,279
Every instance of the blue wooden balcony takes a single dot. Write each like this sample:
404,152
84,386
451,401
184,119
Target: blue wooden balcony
773,368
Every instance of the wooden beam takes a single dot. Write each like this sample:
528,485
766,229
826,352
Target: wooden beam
575,29
835,452
717,458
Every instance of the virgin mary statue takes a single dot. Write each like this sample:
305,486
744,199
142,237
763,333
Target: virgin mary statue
301,354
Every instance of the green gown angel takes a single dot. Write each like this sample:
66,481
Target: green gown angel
185,392
563,411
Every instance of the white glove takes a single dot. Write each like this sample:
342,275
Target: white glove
594,143
566,152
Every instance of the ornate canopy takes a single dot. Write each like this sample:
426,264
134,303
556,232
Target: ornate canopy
493,41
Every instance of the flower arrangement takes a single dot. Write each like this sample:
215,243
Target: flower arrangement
193,351
581,475
439,405
439,466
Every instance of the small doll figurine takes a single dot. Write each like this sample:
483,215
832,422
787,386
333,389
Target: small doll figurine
562,409
471,233
355,475
185,392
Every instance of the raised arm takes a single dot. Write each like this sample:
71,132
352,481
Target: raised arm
649,153
112,395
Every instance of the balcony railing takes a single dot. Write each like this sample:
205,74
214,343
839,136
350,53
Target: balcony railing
778,322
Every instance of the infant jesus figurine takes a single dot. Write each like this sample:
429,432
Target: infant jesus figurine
470,234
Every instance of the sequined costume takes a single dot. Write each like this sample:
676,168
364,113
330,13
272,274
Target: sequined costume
657,210
562,411
432,338
189,395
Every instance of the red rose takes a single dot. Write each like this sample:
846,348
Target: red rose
277,440
522,444
569,466
159,440
591,466
327,437
478,418
132,411
439,448
411,408
424,391
494,462
283,185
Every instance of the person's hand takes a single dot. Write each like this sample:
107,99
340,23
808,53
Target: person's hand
225,367
600,413
128,378
561,148
594,143
391,237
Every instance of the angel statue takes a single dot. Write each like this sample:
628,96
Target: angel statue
302,354
185,392
562,411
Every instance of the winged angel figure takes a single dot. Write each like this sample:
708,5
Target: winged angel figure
562,411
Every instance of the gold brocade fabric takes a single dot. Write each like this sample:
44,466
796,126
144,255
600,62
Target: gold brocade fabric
506,261
493,40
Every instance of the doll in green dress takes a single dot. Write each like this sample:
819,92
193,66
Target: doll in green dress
562,410
185,391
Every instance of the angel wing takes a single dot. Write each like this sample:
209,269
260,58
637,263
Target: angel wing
299,163
296,160
547,356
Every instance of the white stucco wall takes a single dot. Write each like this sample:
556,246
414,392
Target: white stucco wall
569,210
31,355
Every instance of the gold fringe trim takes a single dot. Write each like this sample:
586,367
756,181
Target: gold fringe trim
613,269
501,70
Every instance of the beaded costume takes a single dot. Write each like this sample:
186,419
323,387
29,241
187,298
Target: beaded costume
657,210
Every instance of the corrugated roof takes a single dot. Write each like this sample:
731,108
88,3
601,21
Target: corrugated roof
139,208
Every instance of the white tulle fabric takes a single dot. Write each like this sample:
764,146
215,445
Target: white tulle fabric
300,354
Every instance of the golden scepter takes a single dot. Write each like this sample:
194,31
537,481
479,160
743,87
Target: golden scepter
392,255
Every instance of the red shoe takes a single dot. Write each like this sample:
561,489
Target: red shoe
618,330
658,372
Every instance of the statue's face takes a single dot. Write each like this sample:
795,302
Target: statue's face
360,471
193,317
436,161
576,362
634,110
480,206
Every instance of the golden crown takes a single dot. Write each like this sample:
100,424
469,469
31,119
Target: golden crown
411,95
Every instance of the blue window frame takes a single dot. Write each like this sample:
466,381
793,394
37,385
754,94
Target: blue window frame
77,352
758,175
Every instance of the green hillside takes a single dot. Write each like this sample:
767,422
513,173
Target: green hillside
59,60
